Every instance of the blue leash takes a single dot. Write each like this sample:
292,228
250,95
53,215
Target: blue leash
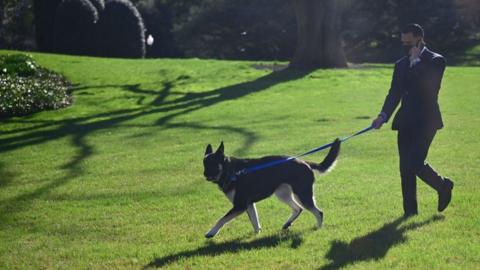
277,162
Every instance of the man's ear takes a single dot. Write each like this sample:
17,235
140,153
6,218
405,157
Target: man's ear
220,149
208,150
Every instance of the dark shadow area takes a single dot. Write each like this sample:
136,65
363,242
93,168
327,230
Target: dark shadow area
373,246
235,246
325,120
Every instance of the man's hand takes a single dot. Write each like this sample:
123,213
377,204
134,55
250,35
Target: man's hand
415,53
378,123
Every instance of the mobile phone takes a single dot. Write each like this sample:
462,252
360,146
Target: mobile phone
419,43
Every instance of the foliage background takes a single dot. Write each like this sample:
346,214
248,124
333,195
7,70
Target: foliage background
261,29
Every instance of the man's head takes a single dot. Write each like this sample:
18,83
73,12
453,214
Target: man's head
412,35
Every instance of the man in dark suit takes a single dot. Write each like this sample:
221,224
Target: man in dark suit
416,82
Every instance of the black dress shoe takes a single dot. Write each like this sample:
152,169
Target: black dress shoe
445,195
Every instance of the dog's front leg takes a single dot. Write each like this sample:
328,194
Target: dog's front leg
253,216
234,212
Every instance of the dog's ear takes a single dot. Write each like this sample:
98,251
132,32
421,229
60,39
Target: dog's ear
208,150
220,149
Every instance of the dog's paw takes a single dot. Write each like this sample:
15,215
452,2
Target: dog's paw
286,226
317,226
257,231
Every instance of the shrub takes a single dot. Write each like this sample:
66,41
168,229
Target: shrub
74,27
26,87
121,32
17,64
45,12
99,5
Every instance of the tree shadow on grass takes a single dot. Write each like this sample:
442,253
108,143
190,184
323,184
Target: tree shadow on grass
235,246
46,130
372,246
79,129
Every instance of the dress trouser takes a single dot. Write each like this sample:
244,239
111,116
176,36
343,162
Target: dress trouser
413,148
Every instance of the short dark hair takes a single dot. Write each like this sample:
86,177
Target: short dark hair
413,28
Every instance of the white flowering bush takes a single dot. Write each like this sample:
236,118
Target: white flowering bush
26,87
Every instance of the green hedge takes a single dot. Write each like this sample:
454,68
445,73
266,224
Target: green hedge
75,22
120,31
26,87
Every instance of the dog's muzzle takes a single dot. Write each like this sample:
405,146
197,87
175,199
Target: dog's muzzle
213,178
209,177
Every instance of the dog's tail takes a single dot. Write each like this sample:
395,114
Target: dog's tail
329,162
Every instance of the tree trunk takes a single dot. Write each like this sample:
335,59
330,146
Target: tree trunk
318,42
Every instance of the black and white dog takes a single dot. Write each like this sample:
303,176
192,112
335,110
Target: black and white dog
292,182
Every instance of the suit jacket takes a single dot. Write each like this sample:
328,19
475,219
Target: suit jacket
417,87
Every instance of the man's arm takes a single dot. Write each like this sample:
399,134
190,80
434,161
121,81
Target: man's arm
392,99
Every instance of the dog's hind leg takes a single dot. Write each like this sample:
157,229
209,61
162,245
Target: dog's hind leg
307,200
234,212
284,193
253,216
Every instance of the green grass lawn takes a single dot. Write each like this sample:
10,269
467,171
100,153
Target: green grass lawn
115,181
